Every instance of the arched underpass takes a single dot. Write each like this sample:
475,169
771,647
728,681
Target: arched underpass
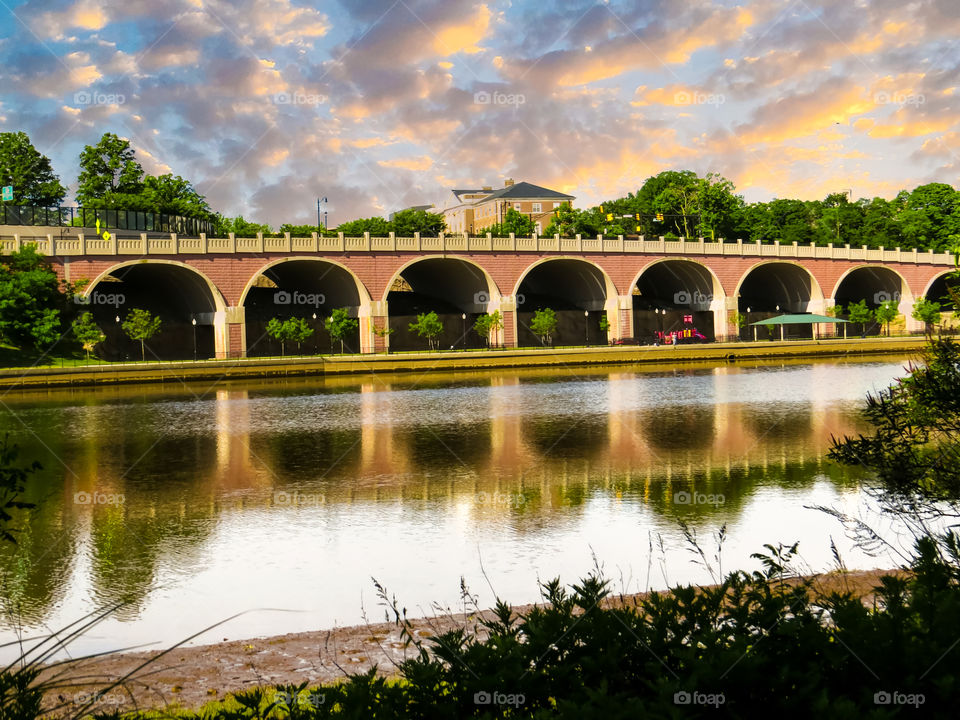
576,290
938,293
308,289
875,285
174,293
457,290
778,288
674,295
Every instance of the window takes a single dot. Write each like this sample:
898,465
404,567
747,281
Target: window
536,207
516,206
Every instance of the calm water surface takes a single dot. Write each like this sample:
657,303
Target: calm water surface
285,499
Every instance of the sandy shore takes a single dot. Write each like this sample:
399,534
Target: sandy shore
192,676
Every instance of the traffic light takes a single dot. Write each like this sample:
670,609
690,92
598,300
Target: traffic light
638,228
637,216
659,217
609,217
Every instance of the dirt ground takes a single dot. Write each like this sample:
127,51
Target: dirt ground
188,677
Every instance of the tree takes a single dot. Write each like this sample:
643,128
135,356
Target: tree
87,332
914,447
858,312
485,324
374,225
544,324
927,312
428,325
738,320
383,332
407,222
298,331
513,222
223,226
109,173
887,313
564,221
277,330
339,325
31,299
604,323
141,325
28,171
930,217
12,484
173,195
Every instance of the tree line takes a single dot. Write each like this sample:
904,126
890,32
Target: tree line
672,204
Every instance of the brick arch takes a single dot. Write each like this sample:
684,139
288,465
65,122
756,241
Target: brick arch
717,285
218,300
906,290
492,286
362,292
813,278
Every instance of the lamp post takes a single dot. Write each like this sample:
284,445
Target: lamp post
316,340
586,327
463,324
193,321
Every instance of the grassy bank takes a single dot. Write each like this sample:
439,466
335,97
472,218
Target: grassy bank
245,368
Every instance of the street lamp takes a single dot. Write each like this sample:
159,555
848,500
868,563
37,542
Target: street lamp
316,339
193,321
586,327
463,323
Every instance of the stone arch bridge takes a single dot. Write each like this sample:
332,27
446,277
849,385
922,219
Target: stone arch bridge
215,295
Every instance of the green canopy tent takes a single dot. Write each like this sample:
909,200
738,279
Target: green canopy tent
800,319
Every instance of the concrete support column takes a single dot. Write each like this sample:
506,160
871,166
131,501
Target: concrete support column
906,308
230,333
722,309
508,309
623,328
376,315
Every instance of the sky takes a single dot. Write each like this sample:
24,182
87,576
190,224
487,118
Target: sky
378,105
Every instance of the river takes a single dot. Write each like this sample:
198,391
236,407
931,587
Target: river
282,500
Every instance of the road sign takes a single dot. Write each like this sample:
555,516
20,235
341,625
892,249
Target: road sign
7,193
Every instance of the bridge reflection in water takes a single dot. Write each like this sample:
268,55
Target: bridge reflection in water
517,450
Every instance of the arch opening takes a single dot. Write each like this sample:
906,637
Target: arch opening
308,289
182,299
938,292
674,296
576,290
456,290
874,285
779,288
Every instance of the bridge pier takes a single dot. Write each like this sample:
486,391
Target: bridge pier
374,317
230,333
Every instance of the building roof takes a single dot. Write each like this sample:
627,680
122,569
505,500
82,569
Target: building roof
799,320
526,190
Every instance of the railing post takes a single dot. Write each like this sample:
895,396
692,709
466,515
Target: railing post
366,240
51,250
315,239
580,243
16,242
144,244
260,242
490,241
513,241
443,243
342,241
620,240
203,243
83,243
393,240
113,243
232,242
287,242
536,240
416,236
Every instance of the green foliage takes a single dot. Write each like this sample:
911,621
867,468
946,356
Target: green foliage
31,300
755,640
173,195
108,169
375,226
738,320
887,313
604,323
141,325
914,448
289,330
513,222
544,325
407,222
30,173
13,480
428,325
859,312
340,324
486,324
223,226
87,332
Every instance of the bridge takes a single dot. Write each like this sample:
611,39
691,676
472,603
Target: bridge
215,295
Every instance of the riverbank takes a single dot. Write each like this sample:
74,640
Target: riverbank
189,677
248,368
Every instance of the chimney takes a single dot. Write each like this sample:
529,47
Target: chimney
508,182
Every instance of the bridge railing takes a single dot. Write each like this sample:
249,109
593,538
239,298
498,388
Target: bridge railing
144,245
